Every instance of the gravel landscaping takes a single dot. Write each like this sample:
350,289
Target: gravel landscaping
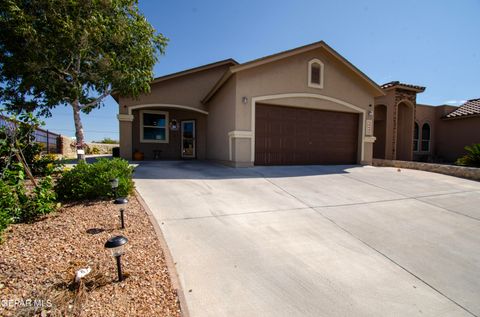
38,263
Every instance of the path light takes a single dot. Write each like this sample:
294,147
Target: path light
117,246
114,185
121,203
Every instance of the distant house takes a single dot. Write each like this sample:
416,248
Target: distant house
405,130
308,105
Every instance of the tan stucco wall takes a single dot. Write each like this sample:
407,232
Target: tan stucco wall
290,76
389,101
221,120
453,135
426,114
187,90
172,149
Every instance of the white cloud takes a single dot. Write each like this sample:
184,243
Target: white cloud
455,102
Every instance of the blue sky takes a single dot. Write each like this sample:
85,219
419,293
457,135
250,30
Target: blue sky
430,43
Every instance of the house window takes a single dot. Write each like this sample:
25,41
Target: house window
426,137
153,126
415,138
315,73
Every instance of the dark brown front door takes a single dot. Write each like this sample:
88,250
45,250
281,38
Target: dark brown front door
287,136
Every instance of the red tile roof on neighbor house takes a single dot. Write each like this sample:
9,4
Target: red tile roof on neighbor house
402,85
470,108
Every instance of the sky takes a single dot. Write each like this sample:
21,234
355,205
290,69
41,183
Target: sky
435,44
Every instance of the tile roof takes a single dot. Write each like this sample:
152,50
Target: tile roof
397,83
470,108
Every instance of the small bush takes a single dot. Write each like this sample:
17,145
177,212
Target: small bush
92,181
472,158
44,165
9,207
41,202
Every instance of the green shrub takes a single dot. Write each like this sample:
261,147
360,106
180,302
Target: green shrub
45,165
16,205
92,181
41,202
472,158
9,206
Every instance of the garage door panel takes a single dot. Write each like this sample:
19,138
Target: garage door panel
285,135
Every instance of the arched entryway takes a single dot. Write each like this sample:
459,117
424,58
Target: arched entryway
404,144
380,131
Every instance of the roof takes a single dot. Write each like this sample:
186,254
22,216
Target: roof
468,109
229,61
397,84
288,53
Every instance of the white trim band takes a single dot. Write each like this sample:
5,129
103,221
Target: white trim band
165,105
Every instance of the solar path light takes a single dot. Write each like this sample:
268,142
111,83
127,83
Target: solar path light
114,185
116,245
121,202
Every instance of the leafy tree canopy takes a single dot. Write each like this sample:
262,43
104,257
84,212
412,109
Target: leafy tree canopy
74,52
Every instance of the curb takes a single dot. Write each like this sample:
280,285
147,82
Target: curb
172,271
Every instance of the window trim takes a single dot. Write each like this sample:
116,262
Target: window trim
142,139
309,70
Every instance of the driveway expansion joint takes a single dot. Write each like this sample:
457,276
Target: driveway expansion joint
396,263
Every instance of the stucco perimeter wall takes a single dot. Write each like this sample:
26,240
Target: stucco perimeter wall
221,121
187,90
290,76
453,135
452,170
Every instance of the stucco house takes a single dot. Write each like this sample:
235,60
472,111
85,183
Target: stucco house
405,130
308,105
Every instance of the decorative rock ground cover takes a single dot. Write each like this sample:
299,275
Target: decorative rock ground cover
38,263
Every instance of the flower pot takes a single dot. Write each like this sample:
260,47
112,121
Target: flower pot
138,156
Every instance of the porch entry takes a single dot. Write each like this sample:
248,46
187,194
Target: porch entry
188,139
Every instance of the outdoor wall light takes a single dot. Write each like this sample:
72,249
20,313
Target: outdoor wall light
244,100
114,186
121,202
370,113
116,245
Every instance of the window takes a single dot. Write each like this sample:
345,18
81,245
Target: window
415,138
315,73
154,126
426,137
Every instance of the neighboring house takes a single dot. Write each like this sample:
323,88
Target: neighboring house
308,105
405,130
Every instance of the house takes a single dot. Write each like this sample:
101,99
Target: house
405,130
308,105
303,106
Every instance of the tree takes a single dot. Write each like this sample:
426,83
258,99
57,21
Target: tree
74,53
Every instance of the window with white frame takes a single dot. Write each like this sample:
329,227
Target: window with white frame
416,132
315,73
153,126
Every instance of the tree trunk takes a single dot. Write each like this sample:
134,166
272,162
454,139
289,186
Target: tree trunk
78,130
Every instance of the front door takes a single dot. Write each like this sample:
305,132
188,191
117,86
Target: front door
188,139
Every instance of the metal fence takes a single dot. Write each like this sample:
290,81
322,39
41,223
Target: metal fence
47,139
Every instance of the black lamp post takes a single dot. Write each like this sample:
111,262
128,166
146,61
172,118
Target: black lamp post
117,246
114,185
120,202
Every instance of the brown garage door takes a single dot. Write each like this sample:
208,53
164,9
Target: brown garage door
286,136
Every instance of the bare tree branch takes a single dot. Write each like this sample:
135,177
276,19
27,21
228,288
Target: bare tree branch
96,101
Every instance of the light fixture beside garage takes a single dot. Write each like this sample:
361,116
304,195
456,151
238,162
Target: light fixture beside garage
244,100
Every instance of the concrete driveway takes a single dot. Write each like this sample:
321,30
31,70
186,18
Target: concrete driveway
318,240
